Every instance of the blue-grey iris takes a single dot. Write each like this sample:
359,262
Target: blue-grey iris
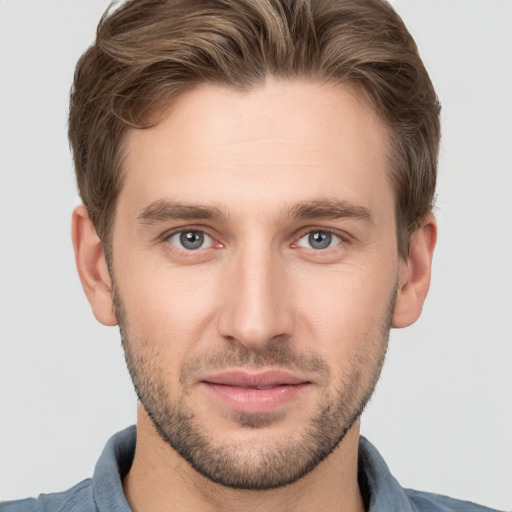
320,239
192,240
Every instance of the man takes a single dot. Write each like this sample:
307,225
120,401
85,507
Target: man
257,180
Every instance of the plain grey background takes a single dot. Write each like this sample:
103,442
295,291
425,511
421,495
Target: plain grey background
442,413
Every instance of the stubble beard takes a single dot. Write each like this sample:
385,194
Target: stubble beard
241,465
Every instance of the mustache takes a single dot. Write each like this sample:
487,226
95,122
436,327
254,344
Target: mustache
279,355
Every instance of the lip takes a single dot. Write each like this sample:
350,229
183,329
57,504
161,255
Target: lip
255,392
245,379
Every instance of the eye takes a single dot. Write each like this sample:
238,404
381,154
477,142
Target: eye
319,240
191,240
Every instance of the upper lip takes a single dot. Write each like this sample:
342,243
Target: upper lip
247,379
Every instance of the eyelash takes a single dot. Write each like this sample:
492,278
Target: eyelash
189,252
342,240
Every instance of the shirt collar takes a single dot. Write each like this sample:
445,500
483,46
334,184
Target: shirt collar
383,491
115,461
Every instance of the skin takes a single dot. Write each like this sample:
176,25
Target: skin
252,160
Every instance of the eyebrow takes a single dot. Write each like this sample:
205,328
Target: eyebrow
165,210
329,210
162,210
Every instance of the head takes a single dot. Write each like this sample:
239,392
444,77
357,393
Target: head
260,176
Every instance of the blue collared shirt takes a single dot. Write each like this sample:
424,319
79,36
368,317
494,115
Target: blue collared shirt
104,491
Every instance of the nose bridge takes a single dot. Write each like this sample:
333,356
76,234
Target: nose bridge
255,310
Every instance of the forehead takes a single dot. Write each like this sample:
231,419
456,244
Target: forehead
286,140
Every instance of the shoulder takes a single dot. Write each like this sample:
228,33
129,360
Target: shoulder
430,502
384,493
77,499
104,491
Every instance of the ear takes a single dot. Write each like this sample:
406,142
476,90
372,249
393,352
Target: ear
92,266
414,275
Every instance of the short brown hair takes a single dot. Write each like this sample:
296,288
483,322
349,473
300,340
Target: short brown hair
147,51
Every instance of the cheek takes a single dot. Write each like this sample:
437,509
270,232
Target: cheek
342,308
169,304
345,291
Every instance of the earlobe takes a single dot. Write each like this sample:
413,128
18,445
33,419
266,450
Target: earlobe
414,279
92,266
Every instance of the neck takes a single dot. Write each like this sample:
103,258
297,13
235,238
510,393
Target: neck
160,479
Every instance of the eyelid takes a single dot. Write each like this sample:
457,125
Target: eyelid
335,241
179,229
342,235
206,242
167,235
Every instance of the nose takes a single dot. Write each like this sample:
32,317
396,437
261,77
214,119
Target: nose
257,306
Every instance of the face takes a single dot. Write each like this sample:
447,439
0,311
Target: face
254,268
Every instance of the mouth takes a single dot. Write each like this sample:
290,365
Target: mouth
250,392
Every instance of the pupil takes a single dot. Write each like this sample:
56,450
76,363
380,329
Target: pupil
192,239
320,240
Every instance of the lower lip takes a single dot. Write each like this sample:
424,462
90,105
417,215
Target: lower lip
252,400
